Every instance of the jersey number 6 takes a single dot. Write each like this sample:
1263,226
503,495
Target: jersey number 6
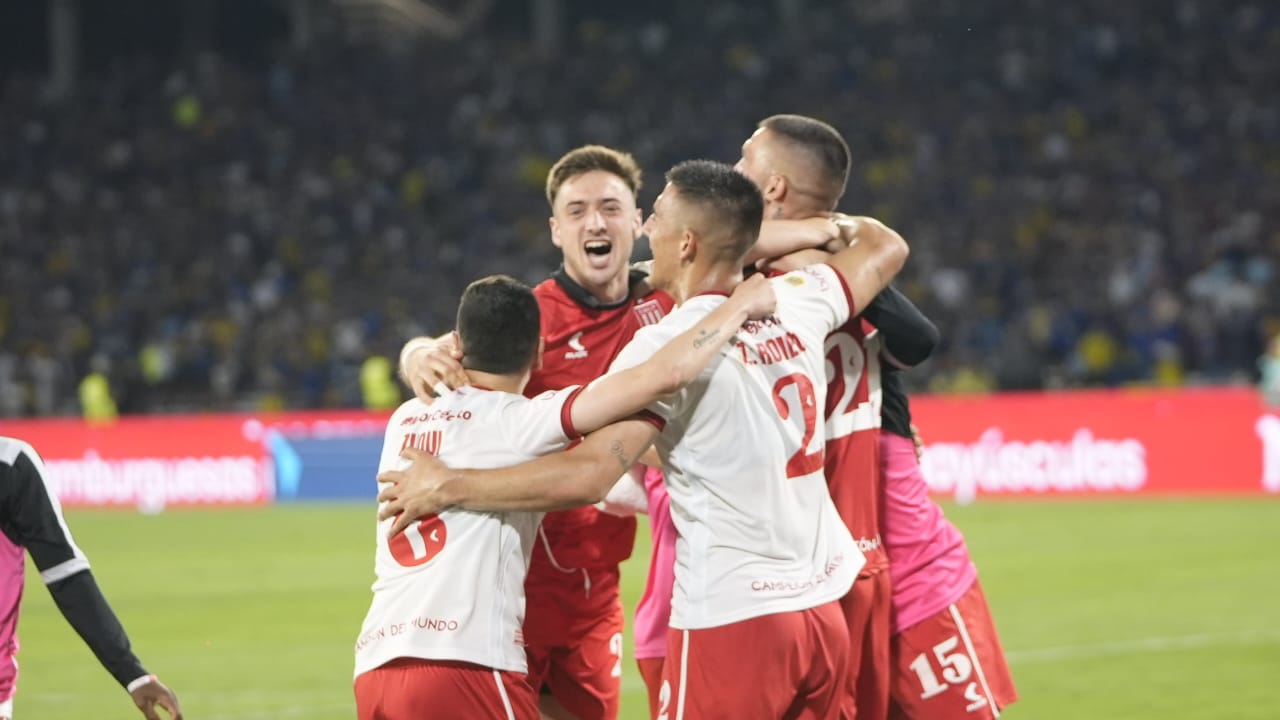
420,541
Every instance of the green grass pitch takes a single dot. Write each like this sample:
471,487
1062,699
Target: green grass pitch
1107,609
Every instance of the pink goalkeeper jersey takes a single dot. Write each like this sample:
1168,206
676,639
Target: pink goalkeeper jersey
451,586
929,564
12,565
653,613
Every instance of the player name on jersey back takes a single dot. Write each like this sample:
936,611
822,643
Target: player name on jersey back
451,586
742,447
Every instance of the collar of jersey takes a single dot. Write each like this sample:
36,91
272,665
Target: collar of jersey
580,295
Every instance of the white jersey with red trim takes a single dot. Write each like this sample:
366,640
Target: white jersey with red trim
742,450
451,586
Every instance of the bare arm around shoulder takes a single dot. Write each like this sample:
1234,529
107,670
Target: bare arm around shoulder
625,392
873,258
782,237
580,476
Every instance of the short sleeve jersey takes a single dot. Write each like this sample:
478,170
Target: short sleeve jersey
742,447
451,586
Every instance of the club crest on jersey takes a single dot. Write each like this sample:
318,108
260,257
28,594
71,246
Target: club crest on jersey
577,350
648,312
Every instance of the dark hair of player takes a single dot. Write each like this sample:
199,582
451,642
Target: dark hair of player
735,204
823,145
498,324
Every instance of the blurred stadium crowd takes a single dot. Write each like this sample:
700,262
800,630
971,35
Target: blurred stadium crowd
1091,190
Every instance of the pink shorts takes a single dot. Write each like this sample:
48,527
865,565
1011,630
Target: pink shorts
786,665
410,689
951,666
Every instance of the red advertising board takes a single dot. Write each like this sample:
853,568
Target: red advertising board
153,462
1185,441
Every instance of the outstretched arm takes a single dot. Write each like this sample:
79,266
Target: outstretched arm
28,506
86,610
625,392
580,476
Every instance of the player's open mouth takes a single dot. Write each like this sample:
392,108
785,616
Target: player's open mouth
599,254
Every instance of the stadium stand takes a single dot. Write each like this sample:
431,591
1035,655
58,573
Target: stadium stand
1089,189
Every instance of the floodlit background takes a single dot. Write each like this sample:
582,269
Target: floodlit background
219,219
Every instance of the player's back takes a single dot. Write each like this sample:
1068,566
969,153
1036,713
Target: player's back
451,586
852,430
742,449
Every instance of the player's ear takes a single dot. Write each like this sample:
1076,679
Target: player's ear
537,356
555,230
688,245
637,227
457,342
775,191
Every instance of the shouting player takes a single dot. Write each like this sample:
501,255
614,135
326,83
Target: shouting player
762,555
591,307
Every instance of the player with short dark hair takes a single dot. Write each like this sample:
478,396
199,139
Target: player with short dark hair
801,165
762,554
443,637
916,559
499,317
591,307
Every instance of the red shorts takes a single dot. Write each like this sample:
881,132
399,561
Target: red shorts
651,673
786,665
410,688
951,666
573,636
866,610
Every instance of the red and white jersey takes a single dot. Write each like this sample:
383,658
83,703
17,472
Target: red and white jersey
853,436
582,339
451,586
742,449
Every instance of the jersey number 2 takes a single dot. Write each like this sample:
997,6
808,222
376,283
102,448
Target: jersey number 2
802,462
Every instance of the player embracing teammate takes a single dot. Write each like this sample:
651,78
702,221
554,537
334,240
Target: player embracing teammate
922,644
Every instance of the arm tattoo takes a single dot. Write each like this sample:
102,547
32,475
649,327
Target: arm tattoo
704,337
620,453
